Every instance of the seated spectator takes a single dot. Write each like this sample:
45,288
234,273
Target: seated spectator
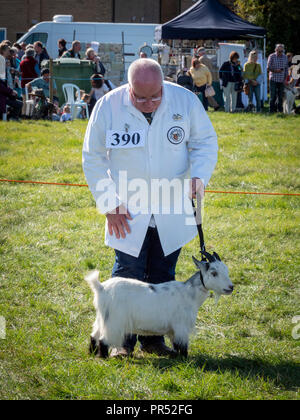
74,51
61,46
99,89
66,115
40,53
84,98
98,66
230,78
202,79
43,82
8,98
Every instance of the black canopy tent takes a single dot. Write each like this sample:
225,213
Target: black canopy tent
209,19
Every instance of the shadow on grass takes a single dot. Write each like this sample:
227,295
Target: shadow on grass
285,374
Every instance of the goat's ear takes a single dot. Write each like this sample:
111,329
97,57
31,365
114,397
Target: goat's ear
196,262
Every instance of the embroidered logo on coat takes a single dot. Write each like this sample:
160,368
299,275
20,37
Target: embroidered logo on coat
176,135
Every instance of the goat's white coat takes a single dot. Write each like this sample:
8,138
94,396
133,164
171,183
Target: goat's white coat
128,306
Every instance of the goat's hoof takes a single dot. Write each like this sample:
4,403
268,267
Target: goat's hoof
93,348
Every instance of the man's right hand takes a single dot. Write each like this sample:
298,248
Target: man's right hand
117,222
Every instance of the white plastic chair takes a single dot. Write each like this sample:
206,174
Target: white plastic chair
72,91
29,104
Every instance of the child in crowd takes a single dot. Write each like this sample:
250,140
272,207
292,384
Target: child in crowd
66,115
99,89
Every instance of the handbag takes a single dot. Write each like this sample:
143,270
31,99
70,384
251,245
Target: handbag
246,89
238,86
209,91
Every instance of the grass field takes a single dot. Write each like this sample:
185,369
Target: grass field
50,236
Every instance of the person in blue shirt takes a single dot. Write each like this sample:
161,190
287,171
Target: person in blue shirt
43,82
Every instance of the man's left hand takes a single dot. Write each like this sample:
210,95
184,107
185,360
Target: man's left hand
196,187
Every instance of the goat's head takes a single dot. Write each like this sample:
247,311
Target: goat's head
215,274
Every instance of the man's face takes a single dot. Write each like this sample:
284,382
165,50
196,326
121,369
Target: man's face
46,77
37,49
279,50
146,96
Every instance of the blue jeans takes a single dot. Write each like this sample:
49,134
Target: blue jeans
256,91
150,266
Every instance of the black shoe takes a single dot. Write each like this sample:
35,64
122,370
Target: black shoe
159,348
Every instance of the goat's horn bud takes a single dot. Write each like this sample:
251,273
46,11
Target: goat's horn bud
216,256
210,257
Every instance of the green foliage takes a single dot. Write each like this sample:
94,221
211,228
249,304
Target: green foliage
281,19
51,236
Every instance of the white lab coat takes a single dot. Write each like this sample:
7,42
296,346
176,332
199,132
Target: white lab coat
179,144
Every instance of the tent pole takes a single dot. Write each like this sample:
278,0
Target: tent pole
264,69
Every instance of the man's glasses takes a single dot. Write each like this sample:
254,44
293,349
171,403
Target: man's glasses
144,100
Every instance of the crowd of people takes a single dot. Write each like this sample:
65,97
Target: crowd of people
233,79
22,77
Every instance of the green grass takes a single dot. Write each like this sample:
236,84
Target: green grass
50,236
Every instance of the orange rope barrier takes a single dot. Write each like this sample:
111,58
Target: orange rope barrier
207,191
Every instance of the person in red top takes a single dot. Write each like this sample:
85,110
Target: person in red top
28,72
27,68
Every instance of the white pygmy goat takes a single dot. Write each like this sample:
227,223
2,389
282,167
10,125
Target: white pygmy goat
127,306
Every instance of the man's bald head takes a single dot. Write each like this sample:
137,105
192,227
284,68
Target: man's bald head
145,70
145,79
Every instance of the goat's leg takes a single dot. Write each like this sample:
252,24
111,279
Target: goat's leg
93,348
181,348
102,349
181,342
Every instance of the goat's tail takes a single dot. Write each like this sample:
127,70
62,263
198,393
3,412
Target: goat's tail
93,280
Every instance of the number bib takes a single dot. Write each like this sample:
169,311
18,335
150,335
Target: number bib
125,140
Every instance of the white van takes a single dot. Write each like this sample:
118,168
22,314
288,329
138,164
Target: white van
131,35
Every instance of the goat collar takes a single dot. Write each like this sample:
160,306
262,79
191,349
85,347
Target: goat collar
202,281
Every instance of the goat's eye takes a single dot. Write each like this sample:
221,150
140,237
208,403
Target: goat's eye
214,273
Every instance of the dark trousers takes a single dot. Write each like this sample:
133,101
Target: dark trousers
150,266
14,108
276,96
201,90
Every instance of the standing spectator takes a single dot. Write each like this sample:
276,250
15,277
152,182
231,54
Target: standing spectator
4,52
61,46
40,53
23,49
253,76
74,51
28,68
290,58
99,67
8,97
278,71
99,89
201,52
185,79
230,77
202,79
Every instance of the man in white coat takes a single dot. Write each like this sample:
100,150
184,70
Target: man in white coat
149,147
